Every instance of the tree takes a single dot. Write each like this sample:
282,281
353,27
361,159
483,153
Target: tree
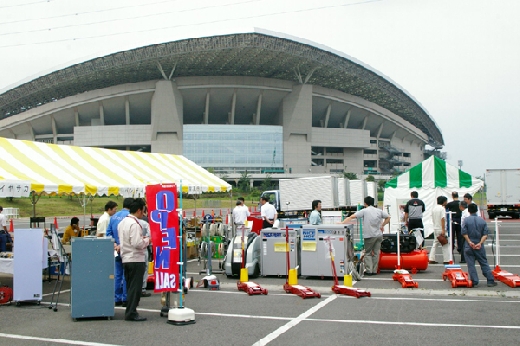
350,175
381,184
370,178
267,183
243,183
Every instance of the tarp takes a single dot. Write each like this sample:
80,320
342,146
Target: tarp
63,169
431,178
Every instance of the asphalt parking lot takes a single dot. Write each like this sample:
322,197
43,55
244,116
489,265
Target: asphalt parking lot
432,314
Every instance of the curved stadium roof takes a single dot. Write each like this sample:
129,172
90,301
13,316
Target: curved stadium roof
245,54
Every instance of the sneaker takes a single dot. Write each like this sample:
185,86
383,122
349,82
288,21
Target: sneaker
475,285
118,303
492,284
145,294
433,262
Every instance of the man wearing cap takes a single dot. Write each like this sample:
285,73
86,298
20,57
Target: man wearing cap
475,231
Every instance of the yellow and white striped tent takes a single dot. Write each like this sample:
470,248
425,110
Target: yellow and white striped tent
63,169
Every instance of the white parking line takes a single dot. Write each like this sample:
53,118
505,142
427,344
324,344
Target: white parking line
58,341
270,337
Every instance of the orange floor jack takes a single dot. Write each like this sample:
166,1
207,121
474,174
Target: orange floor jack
512,280
342,289
250,287
453,272
402,275
291,284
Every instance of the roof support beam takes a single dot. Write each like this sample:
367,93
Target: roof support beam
206,110
347,118
258,110
101,114
76,116
327,116
365,121
379,130
54,130
127,111
31,130
231,119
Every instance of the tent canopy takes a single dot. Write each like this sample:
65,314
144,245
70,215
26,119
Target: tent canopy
431,178
63,169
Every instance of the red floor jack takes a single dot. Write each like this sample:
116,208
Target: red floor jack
342,289
402,275
453,272
512,280
291,285
244,284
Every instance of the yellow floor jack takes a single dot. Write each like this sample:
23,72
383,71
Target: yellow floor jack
512,280
250,287
291,285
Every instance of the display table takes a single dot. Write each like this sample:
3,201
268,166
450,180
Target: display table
7,265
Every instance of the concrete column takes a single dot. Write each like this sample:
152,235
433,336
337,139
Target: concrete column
296,114
251,181
347,118
365,122
167,118
127,111
101,114
379,132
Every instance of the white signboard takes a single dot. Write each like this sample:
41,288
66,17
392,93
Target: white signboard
15,188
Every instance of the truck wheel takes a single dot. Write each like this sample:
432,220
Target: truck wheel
491,215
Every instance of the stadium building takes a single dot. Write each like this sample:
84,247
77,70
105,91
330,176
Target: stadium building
258,101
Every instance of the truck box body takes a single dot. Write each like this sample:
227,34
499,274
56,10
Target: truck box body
357,192
344,192
298,194
503,192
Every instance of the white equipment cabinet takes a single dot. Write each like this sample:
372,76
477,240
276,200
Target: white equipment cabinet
29,260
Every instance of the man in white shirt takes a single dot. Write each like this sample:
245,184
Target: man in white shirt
463,206
268,213
240,212
132,248
439,227
110,209
3,229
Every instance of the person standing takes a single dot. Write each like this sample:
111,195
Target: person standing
463,207
71,231
469,199
374,221
439,227
146,233
240,213
413,213
315,217
132,248
119,279
3,229
110,209
454,217
268,212
475,231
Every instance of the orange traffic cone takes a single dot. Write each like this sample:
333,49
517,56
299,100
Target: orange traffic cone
11,225
183,213
220,212
55,223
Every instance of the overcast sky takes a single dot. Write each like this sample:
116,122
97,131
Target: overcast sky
459,58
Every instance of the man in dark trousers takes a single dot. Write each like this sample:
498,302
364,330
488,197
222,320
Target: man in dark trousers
133,246
475,232
454,207
413,213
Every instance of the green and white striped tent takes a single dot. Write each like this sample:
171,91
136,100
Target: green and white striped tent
431,178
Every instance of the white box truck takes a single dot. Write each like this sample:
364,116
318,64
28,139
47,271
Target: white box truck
295,196
503,192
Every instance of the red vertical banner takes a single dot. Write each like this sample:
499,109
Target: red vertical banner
164,228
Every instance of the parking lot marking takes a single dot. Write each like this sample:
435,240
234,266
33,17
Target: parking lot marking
270,337
59,341
421,324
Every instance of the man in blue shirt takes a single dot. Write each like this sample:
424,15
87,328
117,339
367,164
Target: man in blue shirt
475,231
119,279
315,218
